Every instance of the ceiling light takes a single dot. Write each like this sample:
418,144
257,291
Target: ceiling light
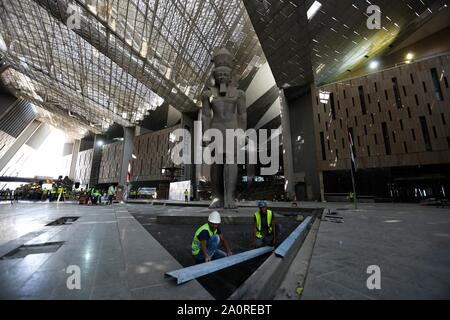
374,65
100,143
324,96
313,10
409,56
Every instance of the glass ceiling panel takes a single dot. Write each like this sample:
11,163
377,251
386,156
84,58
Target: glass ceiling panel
127,57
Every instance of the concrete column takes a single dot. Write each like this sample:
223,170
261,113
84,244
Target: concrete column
19,142
73,161
322,189
198,150
302,140
128,147
96,160
288,162
189,169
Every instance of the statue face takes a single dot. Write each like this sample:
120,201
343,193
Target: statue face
222,75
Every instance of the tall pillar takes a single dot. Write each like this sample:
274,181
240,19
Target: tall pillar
288,163
96,160
301,150
189,169
322,189
73,161
198,153
19,142
128,146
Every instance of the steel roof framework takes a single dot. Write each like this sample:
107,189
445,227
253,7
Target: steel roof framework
126,59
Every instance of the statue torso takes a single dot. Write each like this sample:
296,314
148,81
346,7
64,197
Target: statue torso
225,108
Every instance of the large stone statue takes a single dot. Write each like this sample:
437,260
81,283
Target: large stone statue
223,107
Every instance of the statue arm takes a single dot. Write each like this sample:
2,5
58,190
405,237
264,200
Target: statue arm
242,111
206,110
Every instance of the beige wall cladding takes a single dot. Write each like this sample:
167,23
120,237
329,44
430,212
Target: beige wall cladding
84,165
5,142
416,105
110,165
152,151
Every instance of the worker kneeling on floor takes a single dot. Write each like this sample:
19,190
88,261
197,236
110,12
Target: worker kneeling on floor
265,230
207,239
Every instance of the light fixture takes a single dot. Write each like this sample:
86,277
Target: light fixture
133,156
324,96
313,10
409,56
100,143
374,65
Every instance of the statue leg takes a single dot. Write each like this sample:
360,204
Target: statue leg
230,175
217,186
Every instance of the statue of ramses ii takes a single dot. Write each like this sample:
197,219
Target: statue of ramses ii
223,107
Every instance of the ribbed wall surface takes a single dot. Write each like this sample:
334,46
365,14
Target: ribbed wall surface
17,119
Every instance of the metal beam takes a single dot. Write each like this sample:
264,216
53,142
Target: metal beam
190,273
32,127
283,248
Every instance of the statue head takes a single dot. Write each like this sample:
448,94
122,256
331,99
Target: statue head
223,63
222,75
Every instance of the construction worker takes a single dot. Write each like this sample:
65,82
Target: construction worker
207,239
351,196
96,196
111,193
53,193
264,233
60,194
186,195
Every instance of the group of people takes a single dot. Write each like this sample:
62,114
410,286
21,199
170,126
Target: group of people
94,195
35,193
207,238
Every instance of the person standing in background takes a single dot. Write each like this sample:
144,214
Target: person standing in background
111,193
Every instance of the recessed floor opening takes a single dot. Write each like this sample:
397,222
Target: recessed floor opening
176,239
25,250
62,221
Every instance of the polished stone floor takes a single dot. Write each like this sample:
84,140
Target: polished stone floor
117,257
409,243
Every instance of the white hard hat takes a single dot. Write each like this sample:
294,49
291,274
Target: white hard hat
214,217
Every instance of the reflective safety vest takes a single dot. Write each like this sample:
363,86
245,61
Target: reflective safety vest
258,223
196,241
186,193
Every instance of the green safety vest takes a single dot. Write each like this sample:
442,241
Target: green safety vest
196,241
258,223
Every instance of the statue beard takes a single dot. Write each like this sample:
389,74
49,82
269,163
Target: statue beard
222,88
